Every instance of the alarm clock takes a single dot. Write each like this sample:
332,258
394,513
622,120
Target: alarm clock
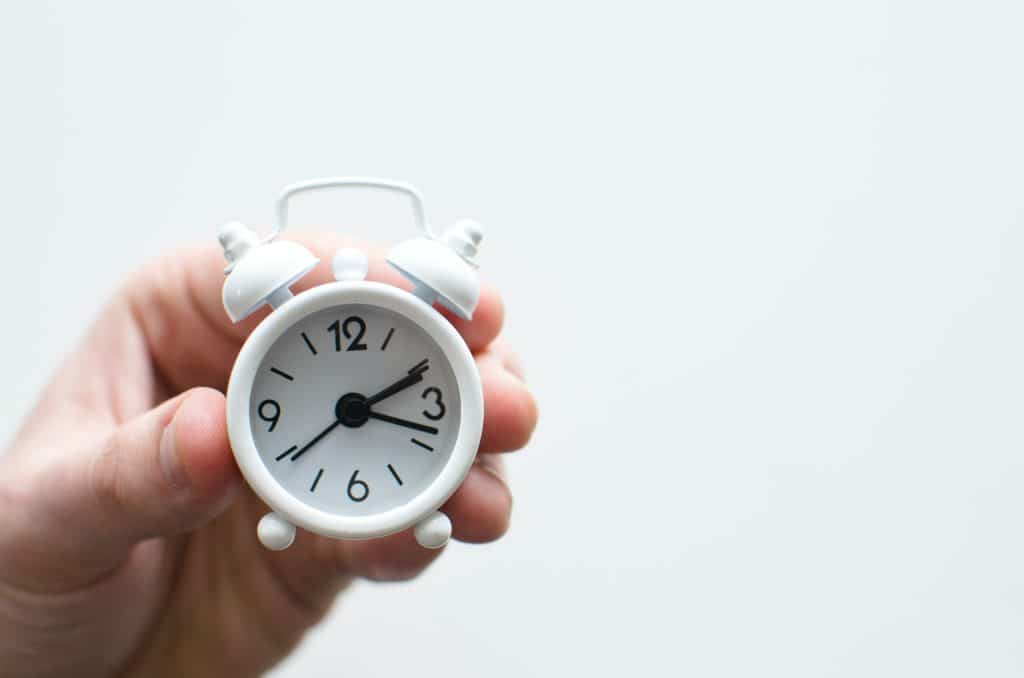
355,409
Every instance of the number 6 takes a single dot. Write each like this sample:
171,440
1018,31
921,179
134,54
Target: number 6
352,482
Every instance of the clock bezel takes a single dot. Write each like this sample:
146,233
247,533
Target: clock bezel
288,505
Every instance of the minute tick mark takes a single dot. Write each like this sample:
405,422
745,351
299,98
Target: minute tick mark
309,343
286,453
422,444
282,374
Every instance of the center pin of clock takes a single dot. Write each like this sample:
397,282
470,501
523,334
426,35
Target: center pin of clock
352,410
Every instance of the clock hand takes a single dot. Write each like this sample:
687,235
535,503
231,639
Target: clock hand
314,441
414,377
353,409
402,422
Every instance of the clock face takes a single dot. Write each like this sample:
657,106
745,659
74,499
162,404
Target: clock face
354,410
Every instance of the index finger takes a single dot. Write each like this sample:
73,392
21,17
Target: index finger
176,302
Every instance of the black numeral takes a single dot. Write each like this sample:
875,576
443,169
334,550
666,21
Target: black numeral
436,392
356,344
345,328
336,329
354,483
271,418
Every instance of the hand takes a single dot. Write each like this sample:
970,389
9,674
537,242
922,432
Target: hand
128,540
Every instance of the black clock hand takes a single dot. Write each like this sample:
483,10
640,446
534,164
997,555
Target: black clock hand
353,410
402,422
318,438
414,377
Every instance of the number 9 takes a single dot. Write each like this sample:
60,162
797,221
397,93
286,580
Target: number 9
273,416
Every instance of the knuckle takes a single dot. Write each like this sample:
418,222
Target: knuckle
393,572
395,566
115,494
106,480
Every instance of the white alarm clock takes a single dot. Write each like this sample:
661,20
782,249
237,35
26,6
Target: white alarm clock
354,409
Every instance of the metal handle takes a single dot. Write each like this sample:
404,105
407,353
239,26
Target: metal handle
281,216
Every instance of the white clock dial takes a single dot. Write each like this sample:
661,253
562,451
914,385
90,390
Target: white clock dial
354,410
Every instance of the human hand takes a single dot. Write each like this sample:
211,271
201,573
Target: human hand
128,539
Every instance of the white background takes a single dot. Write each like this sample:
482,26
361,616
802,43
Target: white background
762,261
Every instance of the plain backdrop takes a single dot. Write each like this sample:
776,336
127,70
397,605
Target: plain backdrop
762,261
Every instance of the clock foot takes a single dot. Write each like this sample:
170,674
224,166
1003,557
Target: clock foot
275,532
433,531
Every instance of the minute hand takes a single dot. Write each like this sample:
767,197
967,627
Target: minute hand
403,422
414,377
320,436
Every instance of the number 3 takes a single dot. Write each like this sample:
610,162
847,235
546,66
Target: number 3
437,401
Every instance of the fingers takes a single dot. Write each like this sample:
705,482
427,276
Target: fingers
164,472
316,567
481,509
394,558
176,301
509,406
477,333
486,323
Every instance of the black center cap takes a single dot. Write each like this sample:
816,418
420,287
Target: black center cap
352,410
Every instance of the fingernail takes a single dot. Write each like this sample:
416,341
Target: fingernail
169,459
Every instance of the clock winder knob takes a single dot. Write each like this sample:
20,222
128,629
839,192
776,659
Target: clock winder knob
350,264
236,240
464,238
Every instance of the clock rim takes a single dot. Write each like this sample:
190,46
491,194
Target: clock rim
258,475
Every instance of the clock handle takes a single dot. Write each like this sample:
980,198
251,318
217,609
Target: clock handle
281,213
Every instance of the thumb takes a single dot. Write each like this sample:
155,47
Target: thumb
167,471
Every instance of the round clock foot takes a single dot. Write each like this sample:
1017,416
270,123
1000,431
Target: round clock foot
433,531
275,532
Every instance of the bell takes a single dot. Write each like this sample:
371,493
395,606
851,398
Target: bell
443,270
259,272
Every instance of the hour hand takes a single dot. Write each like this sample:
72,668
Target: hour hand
414,376
403,422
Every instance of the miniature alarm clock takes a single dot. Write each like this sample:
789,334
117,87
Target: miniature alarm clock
354,409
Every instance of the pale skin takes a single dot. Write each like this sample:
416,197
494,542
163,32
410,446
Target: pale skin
128,538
